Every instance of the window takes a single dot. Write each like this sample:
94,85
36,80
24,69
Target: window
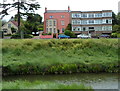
62,23
84,15
50,23
63,29
74,28
107,14
51,16
78,28
98,15
54,23
84,21
9,25
91,15
5,30
98,21
51,30
106,21
54,30
110,21
62,16
76,22
98,28
84,28
76,15
91,21
107,28
91,28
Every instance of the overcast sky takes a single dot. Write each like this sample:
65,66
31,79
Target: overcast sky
75,5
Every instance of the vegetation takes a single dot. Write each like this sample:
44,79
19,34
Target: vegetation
116,25
68,31
24,7
59,56
19,84
17,36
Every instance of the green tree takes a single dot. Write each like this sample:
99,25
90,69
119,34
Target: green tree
118,18
69,27
116,29
114,19
33,23
69,33
20,5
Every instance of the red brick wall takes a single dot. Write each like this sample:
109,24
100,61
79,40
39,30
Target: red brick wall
58,17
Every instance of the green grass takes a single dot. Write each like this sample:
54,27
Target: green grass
19,84
55,56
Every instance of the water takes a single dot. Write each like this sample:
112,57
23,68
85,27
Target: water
97,81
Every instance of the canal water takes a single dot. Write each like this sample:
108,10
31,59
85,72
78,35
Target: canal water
96,81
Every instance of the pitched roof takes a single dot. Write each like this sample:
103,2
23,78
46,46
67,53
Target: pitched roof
15,23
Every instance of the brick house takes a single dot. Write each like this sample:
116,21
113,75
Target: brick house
56,20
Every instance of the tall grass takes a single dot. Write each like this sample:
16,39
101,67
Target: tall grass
59,56
19,84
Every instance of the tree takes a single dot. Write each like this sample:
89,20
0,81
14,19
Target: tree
114,19
118,18
69,33
116,29
33,23
3,22
27,7
34,18
0,24
69,27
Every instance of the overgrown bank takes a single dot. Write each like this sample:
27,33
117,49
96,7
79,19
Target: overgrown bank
59,56
19,84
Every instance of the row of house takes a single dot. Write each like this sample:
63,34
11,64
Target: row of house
56,21
93,22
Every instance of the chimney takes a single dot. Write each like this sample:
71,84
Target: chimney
68,8
45,9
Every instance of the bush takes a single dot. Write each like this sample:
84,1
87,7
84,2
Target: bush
17,36
118,35
70,33
46,33
114,35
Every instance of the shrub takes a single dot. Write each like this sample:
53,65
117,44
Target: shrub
118,35
114,35
17,36
70,33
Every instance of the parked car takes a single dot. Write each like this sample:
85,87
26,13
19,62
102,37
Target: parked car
83,36
63,36
104,36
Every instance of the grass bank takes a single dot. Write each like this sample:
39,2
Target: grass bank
19,84
59,56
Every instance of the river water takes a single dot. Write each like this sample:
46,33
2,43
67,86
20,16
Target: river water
96,81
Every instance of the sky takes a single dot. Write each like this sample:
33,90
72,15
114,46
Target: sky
75,5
